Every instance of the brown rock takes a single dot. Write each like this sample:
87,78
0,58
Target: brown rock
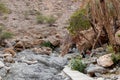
19,46
9,51
54,40
105,60
43,50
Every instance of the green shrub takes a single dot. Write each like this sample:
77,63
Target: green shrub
3,8
76,64
115,58
118,35
50,20
40,18
78,21
47,44
6,35
110,49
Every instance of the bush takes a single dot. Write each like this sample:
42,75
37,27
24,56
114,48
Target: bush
50,20
115,58
76,64
3,8
78,21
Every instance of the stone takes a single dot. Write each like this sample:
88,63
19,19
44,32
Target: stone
100,79
43,50
9,59
54,41
10,51
105,60
76,75
92,69
1,64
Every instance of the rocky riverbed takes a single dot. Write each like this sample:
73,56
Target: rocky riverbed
30,66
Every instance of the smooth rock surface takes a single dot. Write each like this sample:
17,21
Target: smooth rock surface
105,60
1,64
95,68
75,75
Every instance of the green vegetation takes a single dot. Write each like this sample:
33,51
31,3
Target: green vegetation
50,20
45,19
78,21
4,34
40,18
3,8
47,44
118,35
76,64
115,58
110,49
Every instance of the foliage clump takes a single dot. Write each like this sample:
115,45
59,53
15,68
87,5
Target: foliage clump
50,20
77,64
40,18
47,44
110,49
115,58
4,34
3,8
45,19
78,21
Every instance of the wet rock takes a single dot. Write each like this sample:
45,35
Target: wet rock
1,64
105,61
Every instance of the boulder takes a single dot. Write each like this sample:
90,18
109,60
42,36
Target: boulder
105,60
92,69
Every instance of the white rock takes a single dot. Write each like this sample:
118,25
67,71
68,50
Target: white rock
105,60
76,75
100,79
1,64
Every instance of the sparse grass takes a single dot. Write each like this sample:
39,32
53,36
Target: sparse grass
40,18
76,64
45,19
6,35
3,8
50,20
